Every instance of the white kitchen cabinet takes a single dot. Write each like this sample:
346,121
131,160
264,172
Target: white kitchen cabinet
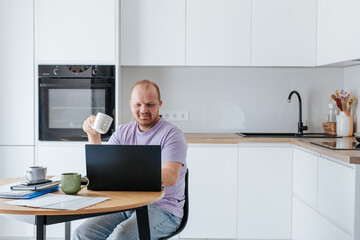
57,231
336,194
264,191
218,32
325,205
305,176
11,228
310,225
62,158
284,33
152,32
212,191
16,72
14,160
338,35
76,31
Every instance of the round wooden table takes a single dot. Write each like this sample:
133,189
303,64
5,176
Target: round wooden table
119,201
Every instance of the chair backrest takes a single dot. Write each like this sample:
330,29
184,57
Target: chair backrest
186,209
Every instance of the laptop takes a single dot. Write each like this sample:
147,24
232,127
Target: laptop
123,167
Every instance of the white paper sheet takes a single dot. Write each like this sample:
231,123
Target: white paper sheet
57,201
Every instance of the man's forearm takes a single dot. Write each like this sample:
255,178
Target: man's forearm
170,173
168,179
94,138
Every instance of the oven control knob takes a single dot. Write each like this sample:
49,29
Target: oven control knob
56,71
95,71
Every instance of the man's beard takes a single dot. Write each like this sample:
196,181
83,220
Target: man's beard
149,122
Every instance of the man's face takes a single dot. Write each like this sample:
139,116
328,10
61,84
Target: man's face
145,106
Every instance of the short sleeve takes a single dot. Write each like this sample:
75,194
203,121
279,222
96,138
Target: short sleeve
175,147
115,137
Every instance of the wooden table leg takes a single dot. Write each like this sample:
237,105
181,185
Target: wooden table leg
67,230
40,227
142,217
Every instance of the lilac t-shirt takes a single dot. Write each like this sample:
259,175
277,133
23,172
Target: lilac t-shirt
173,149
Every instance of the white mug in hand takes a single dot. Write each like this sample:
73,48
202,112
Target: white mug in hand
102,123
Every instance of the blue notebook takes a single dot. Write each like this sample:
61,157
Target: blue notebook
27,194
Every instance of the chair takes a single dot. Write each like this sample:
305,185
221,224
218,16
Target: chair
186,209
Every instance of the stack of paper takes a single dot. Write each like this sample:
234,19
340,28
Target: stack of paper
59,201
6,192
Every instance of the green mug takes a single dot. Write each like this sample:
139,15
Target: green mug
71,182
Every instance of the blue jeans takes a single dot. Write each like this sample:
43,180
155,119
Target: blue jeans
123,225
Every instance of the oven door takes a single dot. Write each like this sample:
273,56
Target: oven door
64,104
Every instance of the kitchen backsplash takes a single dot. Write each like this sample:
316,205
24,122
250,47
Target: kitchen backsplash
230,99
352,82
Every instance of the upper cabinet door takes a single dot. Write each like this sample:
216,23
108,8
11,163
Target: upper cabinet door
152,32
218,32
76,31
338,31
284,33
16,72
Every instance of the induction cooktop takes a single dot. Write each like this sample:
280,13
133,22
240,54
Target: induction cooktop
339,145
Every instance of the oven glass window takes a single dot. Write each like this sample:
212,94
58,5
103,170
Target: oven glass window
68,108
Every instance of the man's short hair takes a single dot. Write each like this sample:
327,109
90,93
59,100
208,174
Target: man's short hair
147,83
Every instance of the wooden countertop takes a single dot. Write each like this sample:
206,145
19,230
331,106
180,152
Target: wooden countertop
348,156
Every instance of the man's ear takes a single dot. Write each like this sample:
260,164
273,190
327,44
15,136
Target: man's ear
160,103
130,102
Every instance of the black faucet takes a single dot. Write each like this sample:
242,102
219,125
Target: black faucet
301,127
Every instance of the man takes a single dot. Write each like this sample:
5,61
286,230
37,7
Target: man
148,128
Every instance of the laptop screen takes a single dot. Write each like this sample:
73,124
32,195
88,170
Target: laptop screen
123,167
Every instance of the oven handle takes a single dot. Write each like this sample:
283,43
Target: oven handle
104,85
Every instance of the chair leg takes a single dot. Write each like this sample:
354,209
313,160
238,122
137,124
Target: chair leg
67,230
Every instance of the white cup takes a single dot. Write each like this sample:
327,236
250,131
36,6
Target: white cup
36,174
102,123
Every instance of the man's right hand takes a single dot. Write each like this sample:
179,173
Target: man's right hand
93,136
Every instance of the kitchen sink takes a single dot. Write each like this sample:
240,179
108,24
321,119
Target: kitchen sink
287,135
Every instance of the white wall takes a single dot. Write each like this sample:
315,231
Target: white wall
229,99
352,83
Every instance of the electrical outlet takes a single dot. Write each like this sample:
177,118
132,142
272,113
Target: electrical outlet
176,116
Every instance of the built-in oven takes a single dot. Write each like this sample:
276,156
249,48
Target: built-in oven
68,94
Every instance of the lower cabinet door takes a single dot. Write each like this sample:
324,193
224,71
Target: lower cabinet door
59,159
309,225
336,193
57,231
212,191
14,160
11,228
264,191
305,176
